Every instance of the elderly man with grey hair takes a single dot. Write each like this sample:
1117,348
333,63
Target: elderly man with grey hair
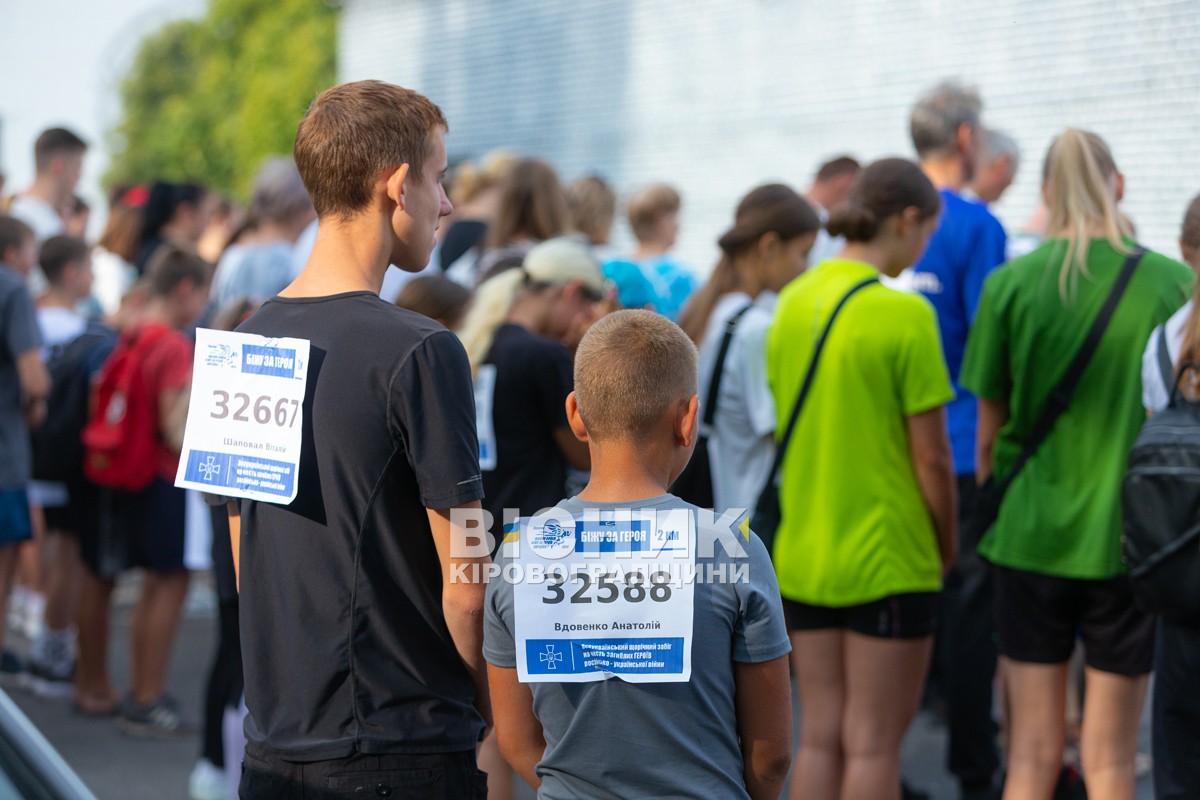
999,158
968,244
259,264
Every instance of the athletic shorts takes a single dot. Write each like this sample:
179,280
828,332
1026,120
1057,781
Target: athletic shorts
81,507
901,616
1039,618
15,524
136,529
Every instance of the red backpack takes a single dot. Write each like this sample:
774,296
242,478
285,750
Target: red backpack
121,437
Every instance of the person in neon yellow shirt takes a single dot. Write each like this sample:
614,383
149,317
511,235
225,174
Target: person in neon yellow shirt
868,497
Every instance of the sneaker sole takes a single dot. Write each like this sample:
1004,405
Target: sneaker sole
48,689
146,730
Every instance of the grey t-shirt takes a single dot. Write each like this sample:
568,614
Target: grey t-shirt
613,739
20,334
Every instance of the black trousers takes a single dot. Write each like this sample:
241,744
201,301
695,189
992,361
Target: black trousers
434,776
1175,728
967,654
225,684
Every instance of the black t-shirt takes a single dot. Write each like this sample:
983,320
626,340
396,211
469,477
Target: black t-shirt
533,378
344,641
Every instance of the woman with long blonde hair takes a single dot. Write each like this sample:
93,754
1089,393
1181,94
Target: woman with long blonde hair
1055,546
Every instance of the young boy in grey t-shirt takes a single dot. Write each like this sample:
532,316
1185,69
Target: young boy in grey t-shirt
715,725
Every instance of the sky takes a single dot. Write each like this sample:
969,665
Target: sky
61,63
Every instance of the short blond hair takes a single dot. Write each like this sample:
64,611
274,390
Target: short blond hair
630,367
647,205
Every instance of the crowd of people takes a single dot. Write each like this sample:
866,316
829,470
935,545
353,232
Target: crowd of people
875,356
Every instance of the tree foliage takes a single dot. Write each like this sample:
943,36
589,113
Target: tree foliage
206,100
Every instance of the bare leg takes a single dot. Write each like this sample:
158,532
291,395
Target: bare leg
1037,728
884,678
152,632
94,691
819,667
1111,712
8,563
63,575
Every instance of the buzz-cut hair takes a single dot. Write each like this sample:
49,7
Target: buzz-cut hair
355,131
940,112
630,367
55,142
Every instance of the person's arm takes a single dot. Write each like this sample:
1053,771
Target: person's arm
522,742
235,539
993,415
34,379
929,446
574,451
462,600
764,722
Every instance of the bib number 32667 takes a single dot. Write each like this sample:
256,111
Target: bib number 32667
245,416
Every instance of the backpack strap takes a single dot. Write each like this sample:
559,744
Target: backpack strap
714,384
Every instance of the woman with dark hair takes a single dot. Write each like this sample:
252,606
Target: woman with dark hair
767,247
1055,547
867,489
174,212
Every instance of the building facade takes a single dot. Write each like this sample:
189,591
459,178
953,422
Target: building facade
717,96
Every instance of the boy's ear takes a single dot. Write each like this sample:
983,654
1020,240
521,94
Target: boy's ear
687,422
575,419
394,182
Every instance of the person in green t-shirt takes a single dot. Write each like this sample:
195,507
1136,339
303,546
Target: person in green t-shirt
1055,547
867,493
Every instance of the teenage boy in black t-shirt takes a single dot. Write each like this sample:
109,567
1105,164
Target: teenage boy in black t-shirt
362,658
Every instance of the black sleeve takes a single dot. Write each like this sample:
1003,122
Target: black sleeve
553,378
433,405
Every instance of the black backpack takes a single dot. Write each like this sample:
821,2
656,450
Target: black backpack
57,446
1161,501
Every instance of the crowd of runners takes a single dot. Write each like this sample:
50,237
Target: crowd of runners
857,388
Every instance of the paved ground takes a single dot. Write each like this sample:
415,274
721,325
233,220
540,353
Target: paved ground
120,768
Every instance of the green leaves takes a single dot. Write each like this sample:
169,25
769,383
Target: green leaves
206,100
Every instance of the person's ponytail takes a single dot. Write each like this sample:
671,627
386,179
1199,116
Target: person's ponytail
493,299
854,222
695,315
1077,174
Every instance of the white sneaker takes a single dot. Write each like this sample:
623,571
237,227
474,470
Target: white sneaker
206,782
33,618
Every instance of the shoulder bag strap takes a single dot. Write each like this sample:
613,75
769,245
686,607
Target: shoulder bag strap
714,385
1165,367
781,448
1060,398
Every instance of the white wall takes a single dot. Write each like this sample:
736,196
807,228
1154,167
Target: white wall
719,95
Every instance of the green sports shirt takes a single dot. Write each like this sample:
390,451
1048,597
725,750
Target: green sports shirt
1062,513
855,527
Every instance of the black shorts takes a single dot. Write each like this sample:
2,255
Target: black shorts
136,529
76,515
901,616
1040,617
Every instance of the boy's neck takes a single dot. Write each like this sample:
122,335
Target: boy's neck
650,249
56,298
347,256
158,310
625,471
